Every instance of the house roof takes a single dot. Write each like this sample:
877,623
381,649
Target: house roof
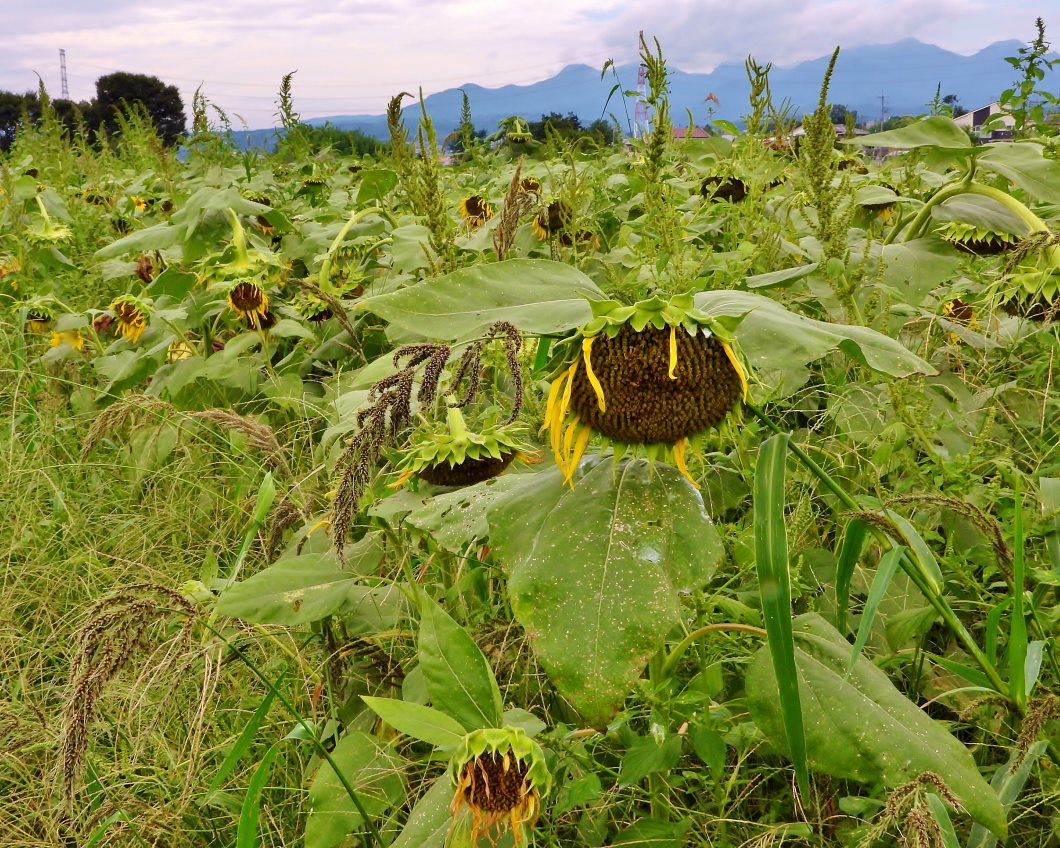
697,132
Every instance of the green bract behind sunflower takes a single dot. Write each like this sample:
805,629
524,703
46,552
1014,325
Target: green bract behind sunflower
975,239
450,453
1031,292
653,374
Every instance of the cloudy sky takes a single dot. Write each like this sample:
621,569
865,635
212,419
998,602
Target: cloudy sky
352,55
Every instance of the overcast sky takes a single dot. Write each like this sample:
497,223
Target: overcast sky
352,55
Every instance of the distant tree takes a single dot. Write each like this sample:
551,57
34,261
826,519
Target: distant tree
838,113
569,126
162,102
341,141
13,107
956,110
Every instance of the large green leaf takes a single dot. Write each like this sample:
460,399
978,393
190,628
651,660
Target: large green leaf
536,295
374,774
596,572
981,211
428,823
308,588
774,338
459,680
456,518
936,131
1024,164
418,721
861,727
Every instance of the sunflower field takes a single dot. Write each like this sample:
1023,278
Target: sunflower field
690,492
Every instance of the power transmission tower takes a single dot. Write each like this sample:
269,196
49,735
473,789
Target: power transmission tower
640,111
62,74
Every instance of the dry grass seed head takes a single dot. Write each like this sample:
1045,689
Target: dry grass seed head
116,631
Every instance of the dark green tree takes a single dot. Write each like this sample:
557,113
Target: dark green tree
838,113
162,102
13,107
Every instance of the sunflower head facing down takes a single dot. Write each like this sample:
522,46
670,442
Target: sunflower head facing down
131,317
653,374
454,454
500,778
250,303
475,211
554,218
530,185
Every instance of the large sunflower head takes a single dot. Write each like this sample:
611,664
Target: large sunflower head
131,316
250,303
554,218
500,777
475,211
653,374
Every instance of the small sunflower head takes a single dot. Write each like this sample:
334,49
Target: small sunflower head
475,211
555,217
500,777
250,303
131,317
530,185
139,203
39,315
730,189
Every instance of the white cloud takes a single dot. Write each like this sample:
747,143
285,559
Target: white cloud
352,55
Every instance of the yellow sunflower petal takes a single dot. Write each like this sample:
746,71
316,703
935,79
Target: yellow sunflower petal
587,345
729,352
568,444
400,480
673,352
679,460
576,455
550,404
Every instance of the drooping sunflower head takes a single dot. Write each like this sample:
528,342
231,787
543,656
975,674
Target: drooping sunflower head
718,188
475,211
311,307
652,374
530,185
250,303
131,317
39,315
500,777
1030,292
454,454
554,218
977,240
582,239
879,201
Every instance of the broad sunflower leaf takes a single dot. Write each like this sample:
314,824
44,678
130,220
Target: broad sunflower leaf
775,339
536,295
420,722
984,212
1023,164
936,131
372,771
595,572
429,821
308,588
459,680
860,726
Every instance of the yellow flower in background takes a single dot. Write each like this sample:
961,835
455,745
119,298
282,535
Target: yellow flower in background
70,337
139,202
131,318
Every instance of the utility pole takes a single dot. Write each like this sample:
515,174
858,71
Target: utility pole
62,74
883,109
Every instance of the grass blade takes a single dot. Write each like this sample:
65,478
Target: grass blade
849,552
247,833
1017,636
243,742
884,574
771,560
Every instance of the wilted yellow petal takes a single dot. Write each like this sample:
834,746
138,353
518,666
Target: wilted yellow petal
679,460
576,456
729,352
587,345
673,352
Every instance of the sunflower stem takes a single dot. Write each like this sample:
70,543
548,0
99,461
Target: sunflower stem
324,279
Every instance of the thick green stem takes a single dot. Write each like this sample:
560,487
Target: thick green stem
924,581
674,658
324,280
239,238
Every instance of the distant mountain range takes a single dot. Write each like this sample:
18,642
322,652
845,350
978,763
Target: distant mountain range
905,74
